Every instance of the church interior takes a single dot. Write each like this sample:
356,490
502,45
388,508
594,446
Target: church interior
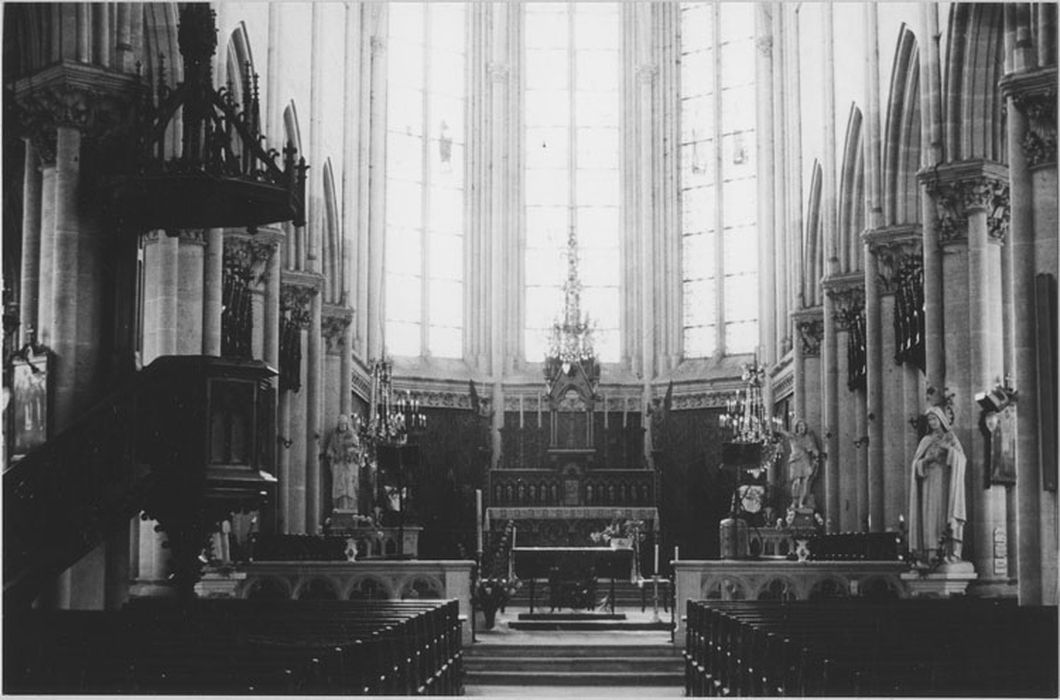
399,348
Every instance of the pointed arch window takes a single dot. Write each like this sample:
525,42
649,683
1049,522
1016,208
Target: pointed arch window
424,275
571,104
719,248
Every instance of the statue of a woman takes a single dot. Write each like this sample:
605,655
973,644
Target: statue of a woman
802,462
344,455
936,491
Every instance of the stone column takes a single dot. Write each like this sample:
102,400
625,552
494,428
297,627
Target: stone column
31,243
765,20
892,250
972,211
45,296
377,205
213,274
314,396
845,298
296,295
1031,101
65,290
190,291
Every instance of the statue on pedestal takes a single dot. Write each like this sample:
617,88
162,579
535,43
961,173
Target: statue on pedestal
803,458
344,456
936,491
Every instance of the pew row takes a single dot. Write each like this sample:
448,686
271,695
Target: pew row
224,647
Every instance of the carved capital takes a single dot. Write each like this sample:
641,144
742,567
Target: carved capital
97,101
962,189
848,299
334,321
646,73
248,258
764,45
892,248
294,303
810,328
1034,94
378,45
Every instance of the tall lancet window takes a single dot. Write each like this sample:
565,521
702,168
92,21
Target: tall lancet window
571,113
718,202
425,179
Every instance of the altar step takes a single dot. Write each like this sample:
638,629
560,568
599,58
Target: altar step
588,622
573,665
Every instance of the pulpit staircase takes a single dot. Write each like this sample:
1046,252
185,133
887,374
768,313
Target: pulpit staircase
161,446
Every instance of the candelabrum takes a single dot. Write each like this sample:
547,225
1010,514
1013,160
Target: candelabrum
392,419
745,413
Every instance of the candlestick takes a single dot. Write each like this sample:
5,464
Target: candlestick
605,411
520,411
655,570
539,410
478,520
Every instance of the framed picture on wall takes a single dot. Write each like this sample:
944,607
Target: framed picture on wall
29,410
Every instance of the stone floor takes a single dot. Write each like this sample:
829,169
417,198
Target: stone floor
501,634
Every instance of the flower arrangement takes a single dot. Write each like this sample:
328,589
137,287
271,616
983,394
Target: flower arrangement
632,530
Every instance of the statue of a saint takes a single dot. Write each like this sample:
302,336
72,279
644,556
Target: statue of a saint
936,491
804,455
344,455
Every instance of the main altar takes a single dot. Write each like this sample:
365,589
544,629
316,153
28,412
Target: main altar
578,467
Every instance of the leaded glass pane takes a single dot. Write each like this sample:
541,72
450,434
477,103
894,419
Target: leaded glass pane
737,109
404,157
739,198
697,210
697,164
601,303
547,69
597,187
447,211
699,256
597,227
741,337
738,155
700,341
596,107
697,118
596,70
741,297
741,250
737,63
697,73
404,110
546,148
403,298
446,258
597,148
547,108
402,338
737,20
445,302
699,302
404,205
547,187
445,341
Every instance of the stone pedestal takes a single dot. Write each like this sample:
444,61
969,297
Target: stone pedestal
215,584
949,579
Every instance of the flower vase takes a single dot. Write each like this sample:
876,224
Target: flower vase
489,617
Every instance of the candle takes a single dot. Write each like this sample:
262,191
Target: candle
539,410
520,411
605,412
478,520
677,550
656,569
625,412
